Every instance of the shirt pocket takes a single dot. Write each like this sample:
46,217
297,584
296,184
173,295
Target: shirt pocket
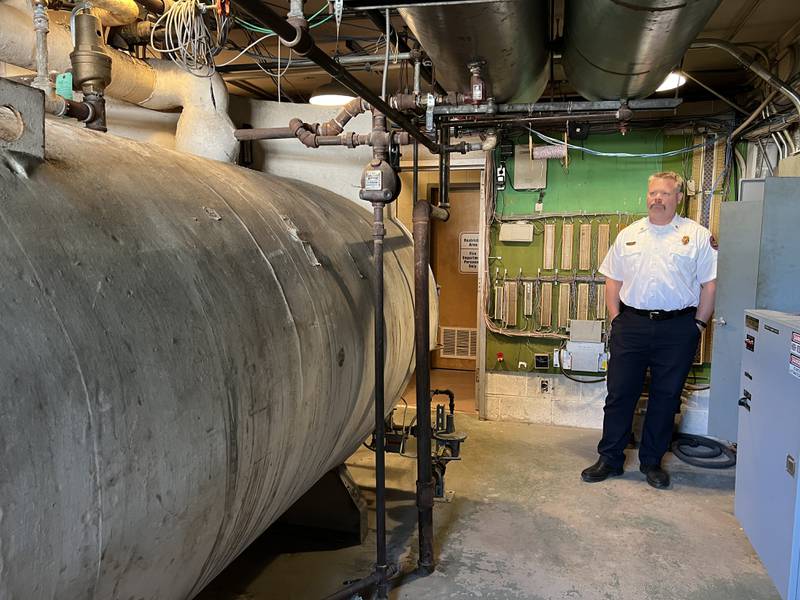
631,259
683,259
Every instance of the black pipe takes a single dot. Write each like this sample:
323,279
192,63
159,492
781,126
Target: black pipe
425,485
380,418
444,167
82,111
303,44
379,19
154,6
347,592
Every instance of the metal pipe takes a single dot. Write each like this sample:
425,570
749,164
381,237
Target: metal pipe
730,103
154,6
380,419
444,167
377,18
425,484
264,133
753,115
568,107
275,63
347,592
750,63
41,26
301,42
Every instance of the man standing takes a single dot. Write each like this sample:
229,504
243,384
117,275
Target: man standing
660,286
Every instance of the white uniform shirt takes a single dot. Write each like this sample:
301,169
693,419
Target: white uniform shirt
661,267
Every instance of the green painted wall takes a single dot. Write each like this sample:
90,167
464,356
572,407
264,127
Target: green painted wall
589,184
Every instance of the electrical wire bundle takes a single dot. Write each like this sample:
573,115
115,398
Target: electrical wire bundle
188,41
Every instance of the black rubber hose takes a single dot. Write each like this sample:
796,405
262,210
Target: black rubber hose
703,452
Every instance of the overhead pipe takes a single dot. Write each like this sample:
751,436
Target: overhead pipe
379,20
276,63
301,42
204,127
713,92
748,62
114,13
565,107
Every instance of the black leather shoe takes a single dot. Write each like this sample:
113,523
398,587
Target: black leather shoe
656,476
600,471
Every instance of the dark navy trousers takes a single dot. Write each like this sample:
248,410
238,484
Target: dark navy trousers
668,348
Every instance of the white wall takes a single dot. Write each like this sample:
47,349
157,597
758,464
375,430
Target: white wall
335,168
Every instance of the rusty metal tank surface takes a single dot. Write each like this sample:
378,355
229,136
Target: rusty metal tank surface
509,36
623,50
186,349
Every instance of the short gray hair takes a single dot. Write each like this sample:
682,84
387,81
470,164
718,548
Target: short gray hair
672,175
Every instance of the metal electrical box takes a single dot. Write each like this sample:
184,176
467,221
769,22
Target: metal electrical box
759,266
766,501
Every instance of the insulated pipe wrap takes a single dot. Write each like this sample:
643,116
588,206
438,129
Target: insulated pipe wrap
204,127
623,50
186,349
509,38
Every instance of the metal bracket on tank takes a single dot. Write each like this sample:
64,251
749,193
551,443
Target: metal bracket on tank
27,104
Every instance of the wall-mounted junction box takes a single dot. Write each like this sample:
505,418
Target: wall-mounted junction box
516,232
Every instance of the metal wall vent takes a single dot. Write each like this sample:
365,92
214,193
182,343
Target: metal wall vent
458,342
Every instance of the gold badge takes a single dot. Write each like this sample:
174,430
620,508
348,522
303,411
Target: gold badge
630,243
685,240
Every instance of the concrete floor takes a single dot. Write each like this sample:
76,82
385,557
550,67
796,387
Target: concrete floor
523,526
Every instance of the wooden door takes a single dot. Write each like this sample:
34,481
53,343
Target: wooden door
454,259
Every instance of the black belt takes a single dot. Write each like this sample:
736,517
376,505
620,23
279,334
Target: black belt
658,315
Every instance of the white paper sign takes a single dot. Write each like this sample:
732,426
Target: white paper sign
468,252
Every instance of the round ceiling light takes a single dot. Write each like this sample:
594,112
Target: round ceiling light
674,80
332,93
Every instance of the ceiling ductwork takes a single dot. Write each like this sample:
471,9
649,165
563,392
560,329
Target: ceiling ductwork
507,39
622,50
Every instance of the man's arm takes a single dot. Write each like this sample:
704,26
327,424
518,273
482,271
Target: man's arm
708,292
612,297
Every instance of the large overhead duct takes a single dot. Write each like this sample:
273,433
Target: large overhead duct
204,127
509,38
623,50
186,349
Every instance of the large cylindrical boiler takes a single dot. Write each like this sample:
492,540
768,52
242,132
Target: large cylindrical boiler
185,348
623,50
508,39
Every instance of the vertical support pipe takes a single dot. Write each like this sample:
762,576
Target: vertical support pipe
41,25
421,225
444,167
380,456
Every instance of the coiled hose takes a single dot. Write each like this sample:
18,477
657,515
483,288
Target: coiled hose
703,452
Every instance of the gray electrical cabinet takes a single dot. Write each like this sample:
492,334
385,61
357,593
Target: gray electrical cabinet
766,500
759,267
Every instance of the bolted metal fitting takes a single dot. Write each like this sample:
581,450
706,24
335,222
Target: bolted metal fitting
91,66
379,182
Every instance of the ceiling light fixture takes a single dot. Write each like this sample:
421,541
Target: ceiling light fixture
674,80
332,93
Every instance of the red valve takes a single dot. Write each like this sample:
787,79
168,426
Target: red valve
500,357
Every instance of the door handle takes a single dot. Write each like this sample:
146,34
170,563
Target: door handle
744,403
719,321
